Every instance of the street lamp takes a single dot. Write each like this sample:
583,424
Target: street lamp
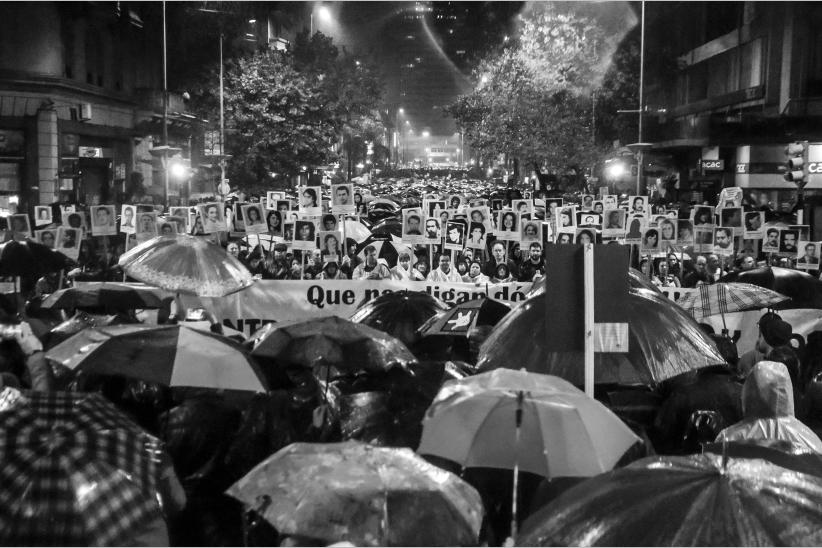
324,14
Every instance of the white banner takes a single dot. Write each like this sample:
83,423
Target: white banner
274,300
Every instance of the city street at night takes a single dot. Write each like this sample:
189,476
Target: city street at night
412,273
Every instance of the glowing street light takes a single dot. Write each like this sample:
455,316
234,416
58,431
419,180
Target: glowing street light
426,134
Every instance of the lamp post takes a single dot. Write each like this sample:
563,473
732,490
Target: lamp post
324,15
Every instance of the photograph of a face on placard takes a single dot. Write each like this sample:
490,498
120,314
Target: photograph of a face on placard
638,204
788,239
731,217
754,221
530,231
523,207
770,244
667,231
103,220
68,241
167,228
178,222
587,219
342,198
304,235
310,201
274,222
19,226
212,217
703,216
587,202
476,236
803,230
42,215
330,247
432,234
146,226
508,227
288,232
47,237
684,232
254,221
455,201
271,198
412,226
179,211
613,225
454,235
650,240
585,236
565,236
807,255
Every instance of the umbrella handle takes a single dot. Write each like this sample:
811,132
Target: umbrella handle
518,418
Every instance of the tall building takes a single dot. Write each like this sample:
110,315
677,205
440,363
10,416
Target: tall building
81,102
728,85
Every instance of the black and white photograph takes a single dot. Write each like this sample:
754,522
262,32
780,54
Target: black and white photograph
146,226
650,240
476,236
342,198
807,255
638,204
47,237
788,239
412,226
454,235
103,220
42,215
330,246
19,226
585,236
304,235
754,223
531,232
310,198
770,244
432,234
212,216
68,241
723,240
253,218
508,227
613,224
272,197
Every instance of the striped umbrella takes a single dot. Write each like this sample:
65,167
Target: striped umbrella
725,298
172,355
76,471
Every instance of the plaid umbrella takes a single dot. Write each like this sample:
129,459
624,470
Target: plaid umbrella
75,471
724,298
171,355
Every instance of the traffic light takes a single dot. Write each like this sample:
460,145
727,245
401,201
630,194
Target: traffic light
796,164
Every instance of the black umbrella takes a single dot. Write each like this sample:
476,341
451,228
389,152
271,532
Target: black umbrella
462,317
386,227
636,280
29,258
804,290
400,313
664,342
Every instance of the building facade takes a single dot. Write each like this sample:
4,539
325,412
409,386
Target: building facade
81,103
728,85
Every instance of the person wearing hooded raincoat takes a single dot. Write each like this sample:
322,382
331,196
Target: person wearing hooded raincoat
767,405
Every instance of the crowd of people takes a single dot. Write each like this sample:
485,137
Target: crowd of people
213,439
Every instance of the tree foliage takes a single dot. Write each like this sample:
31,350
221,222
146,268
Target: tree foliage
285,110
534,99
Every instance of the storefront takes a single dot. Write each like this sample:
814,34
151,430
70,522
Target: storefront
92,169
12,167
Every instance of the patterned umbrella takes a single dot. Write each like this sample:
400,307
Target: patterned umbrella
108,294
462,317
804,290
663,342
330,341
171,355
366,495
724,298
76,471
186,264
699,500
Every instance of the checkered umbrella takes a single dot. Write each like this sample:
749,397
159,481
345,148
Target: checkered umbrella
75,471
725,298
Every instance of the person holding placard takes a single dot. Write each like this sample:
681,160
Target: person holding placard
444,273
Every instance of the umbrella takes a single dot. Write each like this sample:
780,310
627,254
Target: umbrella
664,342
30,258
567,433
462,317
356,231
698,500
400,313
186,264
391,226
804,290
727,297
636,280
388,249
330,341
108,294
171,355
471,422
366,495
76,471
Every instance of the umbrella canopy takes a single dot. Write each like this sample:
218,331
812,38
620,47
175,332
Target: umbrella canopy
391,226
330,341
109,294
366,495
725,298
356,231
388,249
76,471
186,264
565,432
664,342
636,280
684,501
30,258
172,355
786,454
462,317
804,290
400,314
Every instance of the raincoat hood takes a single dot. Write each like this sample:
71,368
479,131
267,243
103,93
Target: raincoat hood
767,392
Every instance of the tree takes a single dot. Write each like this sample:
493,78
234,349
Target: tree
533,102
